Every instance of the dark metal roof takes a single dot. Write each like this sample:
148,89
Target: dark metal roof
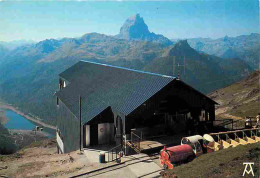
101,86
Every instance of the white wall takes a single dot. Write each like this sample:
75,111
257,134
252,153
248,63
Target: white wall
87,129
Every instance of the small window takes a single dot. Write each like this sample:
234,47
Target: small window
202,115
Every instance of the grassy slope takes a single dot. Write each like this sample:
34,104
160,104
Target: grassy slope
242,98
224,163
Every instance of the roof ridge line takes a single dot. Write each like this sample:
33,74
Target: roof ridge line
134,70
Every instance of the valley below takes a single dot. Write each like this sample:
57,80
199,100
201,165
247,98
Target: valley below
21,128
5,107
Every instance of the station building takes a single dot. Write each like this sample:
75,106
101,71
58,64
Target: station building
101,104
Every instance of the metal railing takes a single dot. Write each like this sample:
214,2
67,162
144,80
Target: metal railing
239,124
227,123
222,122
232,124
136,139
113,153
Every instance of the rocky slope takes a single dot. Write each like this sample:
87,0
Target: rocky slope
240,99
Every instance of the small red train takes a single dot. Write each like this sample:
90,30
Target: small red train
190,148
196,145
175,154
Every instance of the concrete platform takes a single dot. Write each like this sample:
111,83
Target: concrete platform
141,165
149,145
92,155
156,144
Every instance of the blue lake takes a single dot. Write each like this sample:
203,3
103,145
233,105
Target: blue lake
18,122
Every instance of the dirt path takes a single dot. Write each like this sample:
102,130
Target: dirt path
232,117
5,106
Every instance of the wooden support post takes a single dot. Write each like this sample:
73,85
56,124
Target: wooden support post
125,145
80,123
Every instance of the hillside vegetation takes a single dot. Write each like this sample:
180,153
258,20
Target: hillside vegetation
7,145
239,99
202,71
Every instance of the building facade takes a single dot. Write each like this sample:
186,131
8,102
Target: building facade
99,104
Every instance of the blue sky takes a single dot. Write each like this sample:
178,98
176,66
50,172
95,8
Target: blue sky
32,20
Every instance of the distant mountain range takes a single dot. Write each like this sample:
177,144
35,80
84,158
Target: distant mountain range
29,73
5,47
244,47
14,44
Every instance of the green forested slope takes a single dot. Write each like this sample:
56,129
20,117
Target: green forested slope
7,145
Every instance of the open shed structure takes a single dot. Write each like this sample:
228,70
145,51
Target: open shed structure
100,104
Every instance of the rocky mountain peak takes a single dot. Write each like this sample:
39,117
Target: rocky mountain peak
182,48
135,28
183,44
226,38
136,19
